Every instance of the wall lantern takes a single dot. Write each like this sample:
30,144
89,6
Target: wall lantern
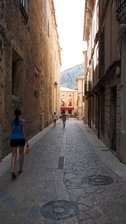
55,84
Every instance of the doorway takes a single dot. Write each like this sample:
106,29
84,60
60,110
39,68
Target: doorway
113,102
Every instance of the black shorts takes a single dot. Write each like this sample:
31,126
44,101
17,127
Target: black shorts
17,142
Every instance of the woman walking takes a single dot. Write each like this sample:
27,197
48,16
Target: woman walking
17,141
63,118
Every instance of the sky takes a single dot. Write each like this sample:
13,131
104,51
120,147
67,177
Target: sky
70,21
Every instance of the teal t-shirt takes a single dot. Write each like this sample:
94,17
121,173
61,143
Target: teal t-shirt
17,130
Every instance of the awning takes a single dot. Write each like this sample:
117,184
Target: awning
67,108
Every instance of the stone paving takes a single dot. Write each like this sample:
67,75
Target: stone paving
69,178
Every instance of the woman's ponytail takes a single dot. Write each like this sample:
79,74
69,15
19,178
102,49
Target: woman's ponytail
17,113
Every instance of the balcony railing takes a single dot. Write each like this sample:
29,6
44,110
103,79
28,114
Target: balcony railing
121,11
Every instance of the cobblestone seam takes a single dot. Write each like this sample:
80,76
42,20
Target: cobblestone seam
60,187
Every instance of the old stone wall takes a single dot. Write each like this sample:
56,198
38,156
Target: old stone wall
103,62
3,43
26,65
112,102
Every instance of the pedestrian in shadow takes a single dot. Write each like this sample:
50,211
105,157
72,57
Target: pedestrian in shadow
17,141
63,118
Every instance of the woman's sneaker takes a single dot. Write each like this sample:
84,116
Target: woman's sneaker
13,175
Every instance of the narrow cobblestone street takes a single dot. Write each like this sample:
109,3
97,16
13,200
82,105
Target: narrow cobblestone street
69,178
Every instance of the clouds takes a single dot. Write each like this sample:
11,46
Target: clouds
70,17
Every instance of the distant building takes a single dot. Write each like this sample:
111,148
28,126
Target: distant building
68,100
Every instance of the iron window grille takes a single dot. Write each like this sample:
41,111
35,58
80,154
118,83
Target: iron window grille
121,4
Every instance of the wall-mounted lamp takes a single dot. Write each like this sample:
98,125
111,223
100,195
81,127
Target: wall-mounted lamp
55,84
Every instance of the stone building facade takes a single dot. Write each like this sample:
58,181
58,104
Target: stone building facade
121,18
29,64
104,74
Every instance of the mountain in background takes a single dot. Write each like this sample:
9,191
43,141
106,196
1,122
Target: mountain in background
68,77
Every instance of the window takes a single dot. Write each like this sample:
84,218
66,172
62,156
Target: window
102,53
36,85
70,102
104,2
62,102
17,80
